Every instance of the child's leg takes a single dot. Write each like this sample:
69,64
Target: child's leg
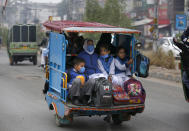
75,90
89,87
120,79
116,80
42,59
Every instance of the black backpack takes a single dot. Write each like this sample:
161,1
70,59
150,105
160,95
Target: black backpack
142,65
102,96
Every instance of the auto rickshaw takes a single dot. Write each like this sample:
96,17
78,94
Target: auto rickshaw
22,44
56,76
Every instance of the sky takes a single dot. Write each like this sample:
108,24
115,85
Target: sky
46,1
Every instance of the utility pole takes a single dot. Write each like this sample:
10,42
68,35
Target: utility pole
156,29
3,12
186,10
36,14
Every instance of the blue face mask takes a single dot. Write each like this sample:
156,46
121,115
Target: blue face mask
105,56
82,70
90,48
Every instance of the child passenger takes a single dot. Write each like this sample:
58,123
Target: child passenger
106,61
122,66
122,63
80,88
90,57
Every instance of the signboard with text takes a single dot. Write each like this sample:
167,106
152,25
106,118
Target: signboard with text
181,22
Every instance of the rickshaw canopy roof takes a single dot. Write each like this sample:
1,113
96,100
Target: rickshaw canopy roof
86,27
101,30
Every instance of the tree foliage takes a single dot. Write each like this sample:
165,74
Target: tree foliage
93,11
40,34
4,34
112,13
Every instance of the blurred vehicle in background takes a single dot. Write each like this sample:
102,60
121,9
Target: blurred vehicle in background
22,44
166,44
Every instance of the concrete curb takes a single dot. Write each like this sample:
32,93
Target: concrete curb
165,77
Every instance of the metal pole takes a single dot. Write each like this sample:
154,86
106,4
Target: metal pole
156,33
3,12
186,10
1,19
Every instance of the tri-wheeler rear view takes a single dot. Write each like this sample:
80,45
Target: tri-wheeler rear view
116,102
22,44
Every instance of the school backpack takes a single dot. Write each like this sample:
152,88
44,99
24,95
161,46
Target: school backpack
120,97
135,91
142,65
102,96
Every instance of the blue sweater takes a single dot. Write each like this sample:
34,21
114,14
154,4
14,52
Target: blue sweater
90,62
72,74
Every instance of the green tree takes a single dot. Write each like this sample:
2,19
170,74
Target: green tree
40,34
93,11
4,34
113,13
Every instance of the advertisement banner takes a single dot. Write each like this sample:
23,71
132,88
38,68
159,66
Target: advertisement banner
181,22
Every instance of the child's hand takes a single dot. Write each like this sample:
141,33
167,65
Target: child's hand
110,78
130,61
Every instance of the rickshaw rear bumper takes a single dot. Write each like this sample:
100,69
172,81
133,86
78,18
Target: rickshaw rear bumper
88,111
64,109
24,54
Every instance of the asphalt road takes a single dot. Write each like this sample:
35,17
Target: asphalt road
23,108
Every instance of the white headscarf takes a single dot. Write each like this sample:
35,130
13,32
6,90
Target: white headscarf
85,48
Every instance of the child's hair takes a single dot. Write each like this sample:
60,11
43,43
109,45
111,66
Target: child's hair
106,46
89,40
120,48
77,61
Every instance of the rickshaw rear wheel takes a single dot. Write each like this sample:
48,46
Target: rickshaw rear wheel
116,119
34,59
11,60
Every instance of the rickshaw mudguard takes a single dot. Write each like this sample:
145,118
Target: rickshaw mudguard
57,104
